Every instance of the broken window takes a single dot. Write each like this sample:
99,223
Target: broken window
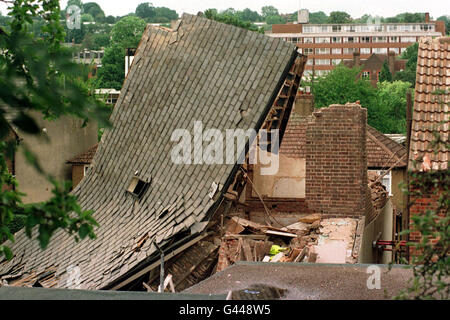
137,186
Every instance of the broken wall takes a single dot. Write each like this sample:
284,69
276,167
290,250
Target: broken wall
336,161
383,224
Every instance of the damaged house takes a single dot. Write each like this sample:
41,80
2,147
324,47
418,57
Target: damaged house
189,221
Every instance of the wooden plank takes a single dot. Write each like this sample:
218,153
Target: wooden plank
157,263
247,251
283,234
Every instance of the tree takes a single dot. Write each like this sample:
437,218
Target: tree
385,74
386,105
409,74
163,14
391,100
94,10
275,20
268,11
248,15
145,10
86,17
110,19
339,17
77,3
47,81
230,19
112,72
127,32
318,17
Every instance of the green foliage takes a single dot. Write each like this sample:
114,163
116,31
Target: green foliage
391,107
112,72
269,11
339,17
229,18
95,11
270,20
38,74
86,17
386,105
409,74
163,14
318,17
127,32
248,15
385,74
145,10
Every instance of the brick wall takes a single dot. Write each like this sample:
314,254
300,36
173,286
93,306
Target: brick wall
419,205
336,162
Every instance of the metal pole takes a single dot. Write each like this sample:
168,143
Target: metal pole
161,273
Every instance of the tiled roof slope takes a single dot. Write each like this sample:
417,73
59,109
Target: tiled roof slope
431,105
86,157
382,152
203,70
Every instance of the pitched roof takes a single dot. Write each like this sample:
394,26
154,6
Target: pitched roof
376,61
85,157
382,152
431,105
203,70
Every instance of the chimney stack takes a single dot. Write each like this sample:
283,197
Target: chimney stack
427,17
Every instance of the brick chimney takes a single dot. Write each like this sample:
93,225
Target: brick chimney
336,161
391,61
427,17
304,103
356,59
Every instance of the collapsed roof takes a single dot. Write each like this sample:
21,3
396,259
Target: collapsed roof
201,70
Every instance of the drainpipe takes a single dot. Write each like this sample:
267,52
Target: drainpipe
161,274
408,144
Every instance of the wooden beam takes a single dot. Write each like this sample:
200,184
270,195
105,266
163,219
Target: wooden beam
157,263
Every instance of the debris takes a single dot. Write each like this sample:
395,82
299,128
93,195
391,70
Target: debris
274,250
283,234
277,257
266,259
310,218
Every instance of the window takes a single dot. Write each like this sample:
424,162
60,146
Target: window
379,39
322,62
350,50
137,187
408,39
336,39
307,40
366,75
308,29
322,51
308,51
380,50
324,28
392,28
393,39
365,50
350,39
322,40
336,61
310,62
295,40
337,51
365,39
336,28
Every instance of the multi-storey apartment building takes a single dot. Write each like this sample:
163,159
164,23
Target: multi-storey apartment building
327,45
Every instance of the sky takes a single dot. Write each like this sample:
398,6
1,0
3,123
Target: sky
356,8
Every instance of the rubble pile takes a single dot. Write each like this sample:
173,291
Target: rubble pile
245,240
